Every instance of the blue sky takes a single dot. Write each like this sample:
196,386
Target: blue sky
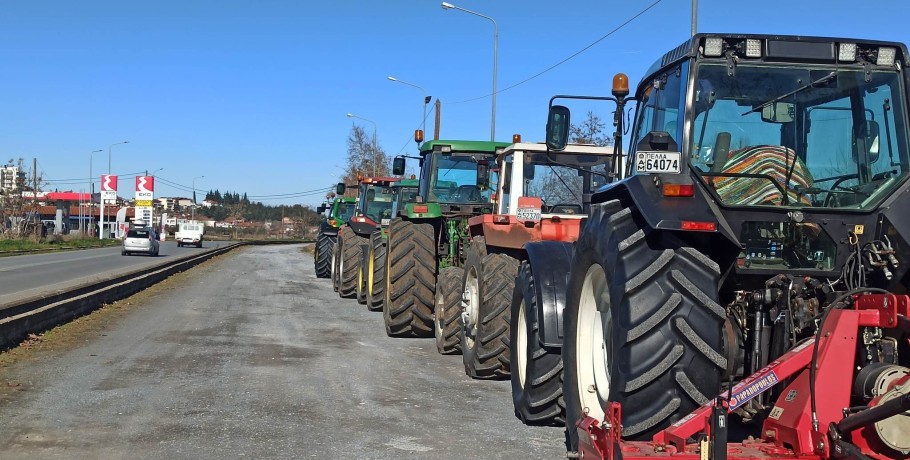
253,94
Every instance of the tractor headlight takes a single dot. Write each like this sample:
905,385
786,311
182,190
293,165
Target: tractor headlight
885,56
714,46
753,48
846,52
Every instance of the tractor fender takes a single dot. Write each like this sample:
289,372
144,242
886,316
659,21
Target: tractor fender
363,228
328,230
550,262
667,213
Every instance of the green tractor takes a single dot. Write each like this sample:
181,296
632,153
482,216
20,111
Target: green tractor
341,210
428,242
374,256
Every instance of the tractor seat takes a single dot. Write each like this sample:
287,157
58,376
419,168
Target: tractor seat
467,193
768,160
565,209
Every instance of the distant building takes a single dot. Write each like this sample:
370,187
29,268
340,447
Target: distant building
174,203
10,178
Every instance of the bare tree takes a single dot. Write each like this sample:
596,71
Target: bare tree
364,158
561,185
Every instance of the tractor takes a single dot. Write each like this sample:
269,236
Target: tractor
340,211
428,242
741,293
374,207
541,199
373,279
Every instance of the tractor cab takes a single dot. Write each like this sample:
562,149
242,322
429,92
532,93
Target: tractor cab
377,197
456,175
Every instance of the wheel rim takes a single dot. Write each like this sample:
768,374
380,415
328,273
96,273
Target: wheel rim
438,316
592,355
340,265
369,285
470,304
332,266
360,279
520,354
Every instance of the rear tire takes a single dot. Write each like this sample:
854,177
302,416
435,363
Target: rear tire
410,279
447,313
642,325
349,265
323,260
376,273
489,285
536,370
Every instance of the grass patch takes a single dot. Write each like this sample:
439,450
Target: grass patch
13,245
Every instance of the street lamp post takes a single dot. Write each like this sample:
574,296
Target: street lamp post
91,186
103,209
426,98
193,212
449,6
351,115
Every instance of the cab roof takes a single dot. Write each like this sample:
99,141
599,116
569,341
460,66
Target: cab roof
795,53
463,146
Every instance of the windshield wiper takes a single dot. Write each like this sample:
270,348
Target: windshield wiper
791,93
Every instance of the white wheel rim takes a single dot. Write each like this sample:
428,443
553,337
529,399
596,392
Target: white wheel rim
438,314
591,355
340,265
470,304
521,345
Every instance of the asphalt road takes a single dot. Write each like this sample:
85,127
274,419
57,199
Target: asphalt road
250,355
26,276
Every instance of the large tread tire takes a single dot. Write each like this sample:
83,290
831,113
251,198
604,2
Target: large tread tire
485,338
410,288
323,258
447,316
652,300
536,370
376,277
351,244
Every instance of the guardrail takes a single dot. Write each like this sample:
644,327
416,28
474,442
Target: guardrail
41,313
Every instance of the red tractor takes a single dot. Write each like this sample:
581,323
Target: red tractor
511,316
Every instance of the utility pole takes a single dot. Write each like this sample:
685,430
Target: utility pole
37,214
438,113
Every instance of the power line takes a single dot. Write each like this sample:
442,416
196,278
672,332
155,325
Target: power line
573,55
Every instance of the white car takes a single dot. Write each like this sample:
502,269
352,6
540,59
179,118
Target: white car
143,240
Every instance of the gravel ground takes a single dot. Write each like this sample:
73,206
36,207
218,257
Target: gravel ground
250,355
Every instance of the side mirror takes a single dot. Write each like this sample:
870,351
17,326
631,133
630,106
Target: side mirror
528,172
869,133
339,189
398,166
558,127
483,176
320,209
778,112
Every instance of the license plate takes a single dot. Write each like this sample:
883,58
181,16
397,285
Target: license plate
657,162
385,222
528,214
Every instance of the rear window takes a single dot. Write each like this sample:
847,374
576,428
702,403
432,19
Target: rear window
137,234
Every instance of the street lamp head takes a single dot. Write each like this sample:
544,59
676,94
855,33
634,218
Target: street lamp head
350,115
447,6
392,78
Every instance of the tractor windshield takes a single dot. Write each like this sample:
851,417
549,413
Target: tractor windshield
344,211
377,203
453,178
797,136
